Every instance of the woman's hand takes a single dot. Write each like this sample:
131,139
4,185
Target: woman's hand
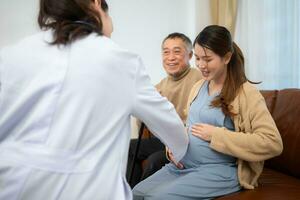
171,158
203,131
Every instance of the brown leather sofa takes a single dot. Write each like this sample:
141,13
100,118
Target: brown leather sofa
280,179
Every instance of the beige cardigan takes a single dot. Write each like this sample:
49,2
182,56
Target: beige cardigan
256,137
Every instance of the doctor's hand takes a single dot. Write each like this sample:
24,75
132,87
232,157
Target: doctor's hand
171,158
203,131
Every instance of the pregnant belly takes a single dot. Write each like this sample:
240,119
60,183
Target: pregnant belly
199,153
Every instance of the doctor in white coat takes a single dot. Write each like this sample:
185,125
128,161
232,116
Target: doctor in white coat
66,97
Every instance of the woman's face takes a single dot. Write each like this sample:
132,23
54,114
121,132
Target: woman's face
212,66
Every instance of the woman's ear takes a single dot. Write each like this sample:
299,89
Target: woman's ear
97,3
227,57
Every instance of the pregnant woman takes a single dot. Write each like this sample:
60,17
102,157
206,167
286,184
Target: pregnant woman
230,129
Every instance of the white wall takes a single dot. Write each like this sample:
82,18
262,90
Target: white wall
17,19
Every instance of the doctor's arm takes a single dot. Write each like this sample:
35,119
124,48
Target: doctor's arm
158,114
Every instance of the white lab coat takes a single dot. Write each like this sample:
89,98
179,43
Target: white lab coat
65,118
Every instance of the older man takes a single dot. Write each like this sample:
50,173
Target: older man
176,54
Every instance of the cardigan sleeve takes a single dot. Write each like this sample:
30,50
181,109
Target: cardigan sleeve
257,139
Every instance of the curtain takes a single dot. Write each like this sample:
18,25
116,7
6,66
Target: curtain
268,32
223,12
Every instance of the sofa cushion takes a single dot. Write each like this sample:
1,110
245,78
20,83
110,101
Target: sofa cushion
272,185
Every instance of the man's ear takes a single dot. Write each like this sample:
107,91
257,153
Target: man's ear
190,55
227,57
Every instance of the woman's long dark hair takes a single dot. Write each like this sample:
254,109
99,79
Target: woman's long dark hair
218,39
70,19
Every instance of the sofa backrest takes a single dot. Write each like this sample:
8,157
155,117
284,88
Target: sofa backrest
284,106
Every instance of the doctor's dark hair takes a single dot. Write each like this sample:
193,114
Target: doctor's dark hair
184,38
70,19
218,39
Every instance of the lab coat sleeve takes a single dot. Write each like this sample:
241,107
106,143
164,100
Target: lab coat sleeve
158,114
0,72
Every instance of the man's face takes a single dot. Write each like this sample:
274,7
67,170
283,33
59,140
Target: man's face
175,56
